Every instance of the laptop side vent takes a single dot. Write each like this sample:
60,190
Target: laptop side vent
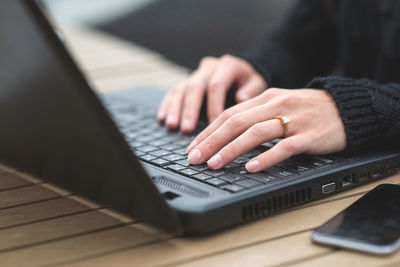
276,203
161,180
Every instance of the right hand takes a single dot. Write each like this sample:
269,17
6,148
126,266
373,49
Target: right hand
215,76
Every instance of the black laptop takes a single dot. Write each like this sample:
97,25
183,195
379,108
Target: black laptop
110,148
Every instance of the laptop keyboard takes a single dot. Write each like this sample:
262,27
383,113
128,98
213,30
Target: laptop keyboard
154,144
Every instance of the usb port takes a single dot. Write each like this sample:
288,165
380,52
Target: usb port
363,177
377,173
350,178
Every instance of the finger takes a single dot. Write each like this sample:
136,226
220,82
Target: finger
252,88
163,107
228,131
256,135
194,97
283,150
225,75
174,107
228,113
191,106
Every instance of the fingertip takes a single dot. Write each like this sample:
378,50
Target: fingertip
242,96
187,125
191,146
161,115
172,121
253,166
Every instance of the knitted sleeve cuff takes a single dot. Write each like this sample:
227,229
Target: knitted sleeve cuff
354,103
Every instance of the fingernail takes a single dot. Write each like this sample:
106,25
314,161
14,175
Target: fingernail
252,166
186,124
192,145
161,115
171,120
195,157
243,96
214,161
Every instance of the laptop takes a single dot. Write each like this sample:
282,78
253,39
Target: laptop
109,148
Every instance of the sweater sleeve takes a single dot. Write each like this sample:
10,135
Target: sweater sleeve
305,47
370,111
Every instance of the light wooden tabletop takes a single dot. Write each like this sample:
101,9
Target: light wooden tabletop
42,225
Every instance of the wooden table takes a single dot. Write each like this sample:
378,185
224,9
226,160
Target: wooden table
43,225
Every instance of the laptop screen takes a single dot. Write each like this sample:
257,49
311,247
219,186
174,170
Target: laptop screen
53,126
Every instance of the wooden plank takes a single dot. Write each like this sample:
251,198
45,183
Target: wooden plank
350,258
25,195
279,251
44,231
83,246
185,249
9,181
39,211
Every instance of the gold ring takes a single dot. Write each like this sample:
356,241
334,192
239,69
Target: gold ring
285,123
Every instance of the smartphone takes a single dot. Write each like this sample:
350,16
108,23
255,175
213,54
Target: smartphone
371,224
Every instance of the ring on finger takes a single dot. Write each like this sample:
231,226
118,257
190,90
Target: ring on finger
285,123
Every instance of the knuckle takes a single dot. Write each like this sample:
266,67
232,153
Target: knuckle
289,147
229,60
288,99
235,121
226,114
206,61
272,91
215,85
258,131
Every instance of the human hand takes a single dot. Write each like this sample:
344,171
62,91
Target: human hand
315,128
215,76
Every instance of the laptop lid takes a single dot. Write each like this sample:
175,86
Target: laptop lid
53,125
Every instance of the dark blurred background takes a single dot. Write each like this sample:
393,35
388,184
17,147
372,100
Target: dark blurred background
183,31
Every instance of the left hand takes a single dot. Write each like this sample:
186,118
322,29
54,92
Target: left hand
315,128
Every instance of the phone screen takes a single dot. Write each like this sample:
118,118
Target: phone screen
371,224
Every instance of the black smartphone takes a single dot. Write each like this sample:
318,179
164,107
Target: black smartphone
371,224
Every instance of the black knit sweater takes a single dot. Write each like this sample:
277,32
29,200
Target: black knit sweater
358,40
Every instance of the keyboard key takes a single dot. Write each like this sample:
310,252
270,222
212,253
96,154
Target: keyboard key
139,153
183,162
241,160
181,151
160,153
147,157
252,153
232,188
147,149
136,144
175,167
144,139
231,165
215,173
231,178
159,142
324,159
264,177
201,176
216,182
170,147
248,183
199,168
160,162
174,157
188,172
